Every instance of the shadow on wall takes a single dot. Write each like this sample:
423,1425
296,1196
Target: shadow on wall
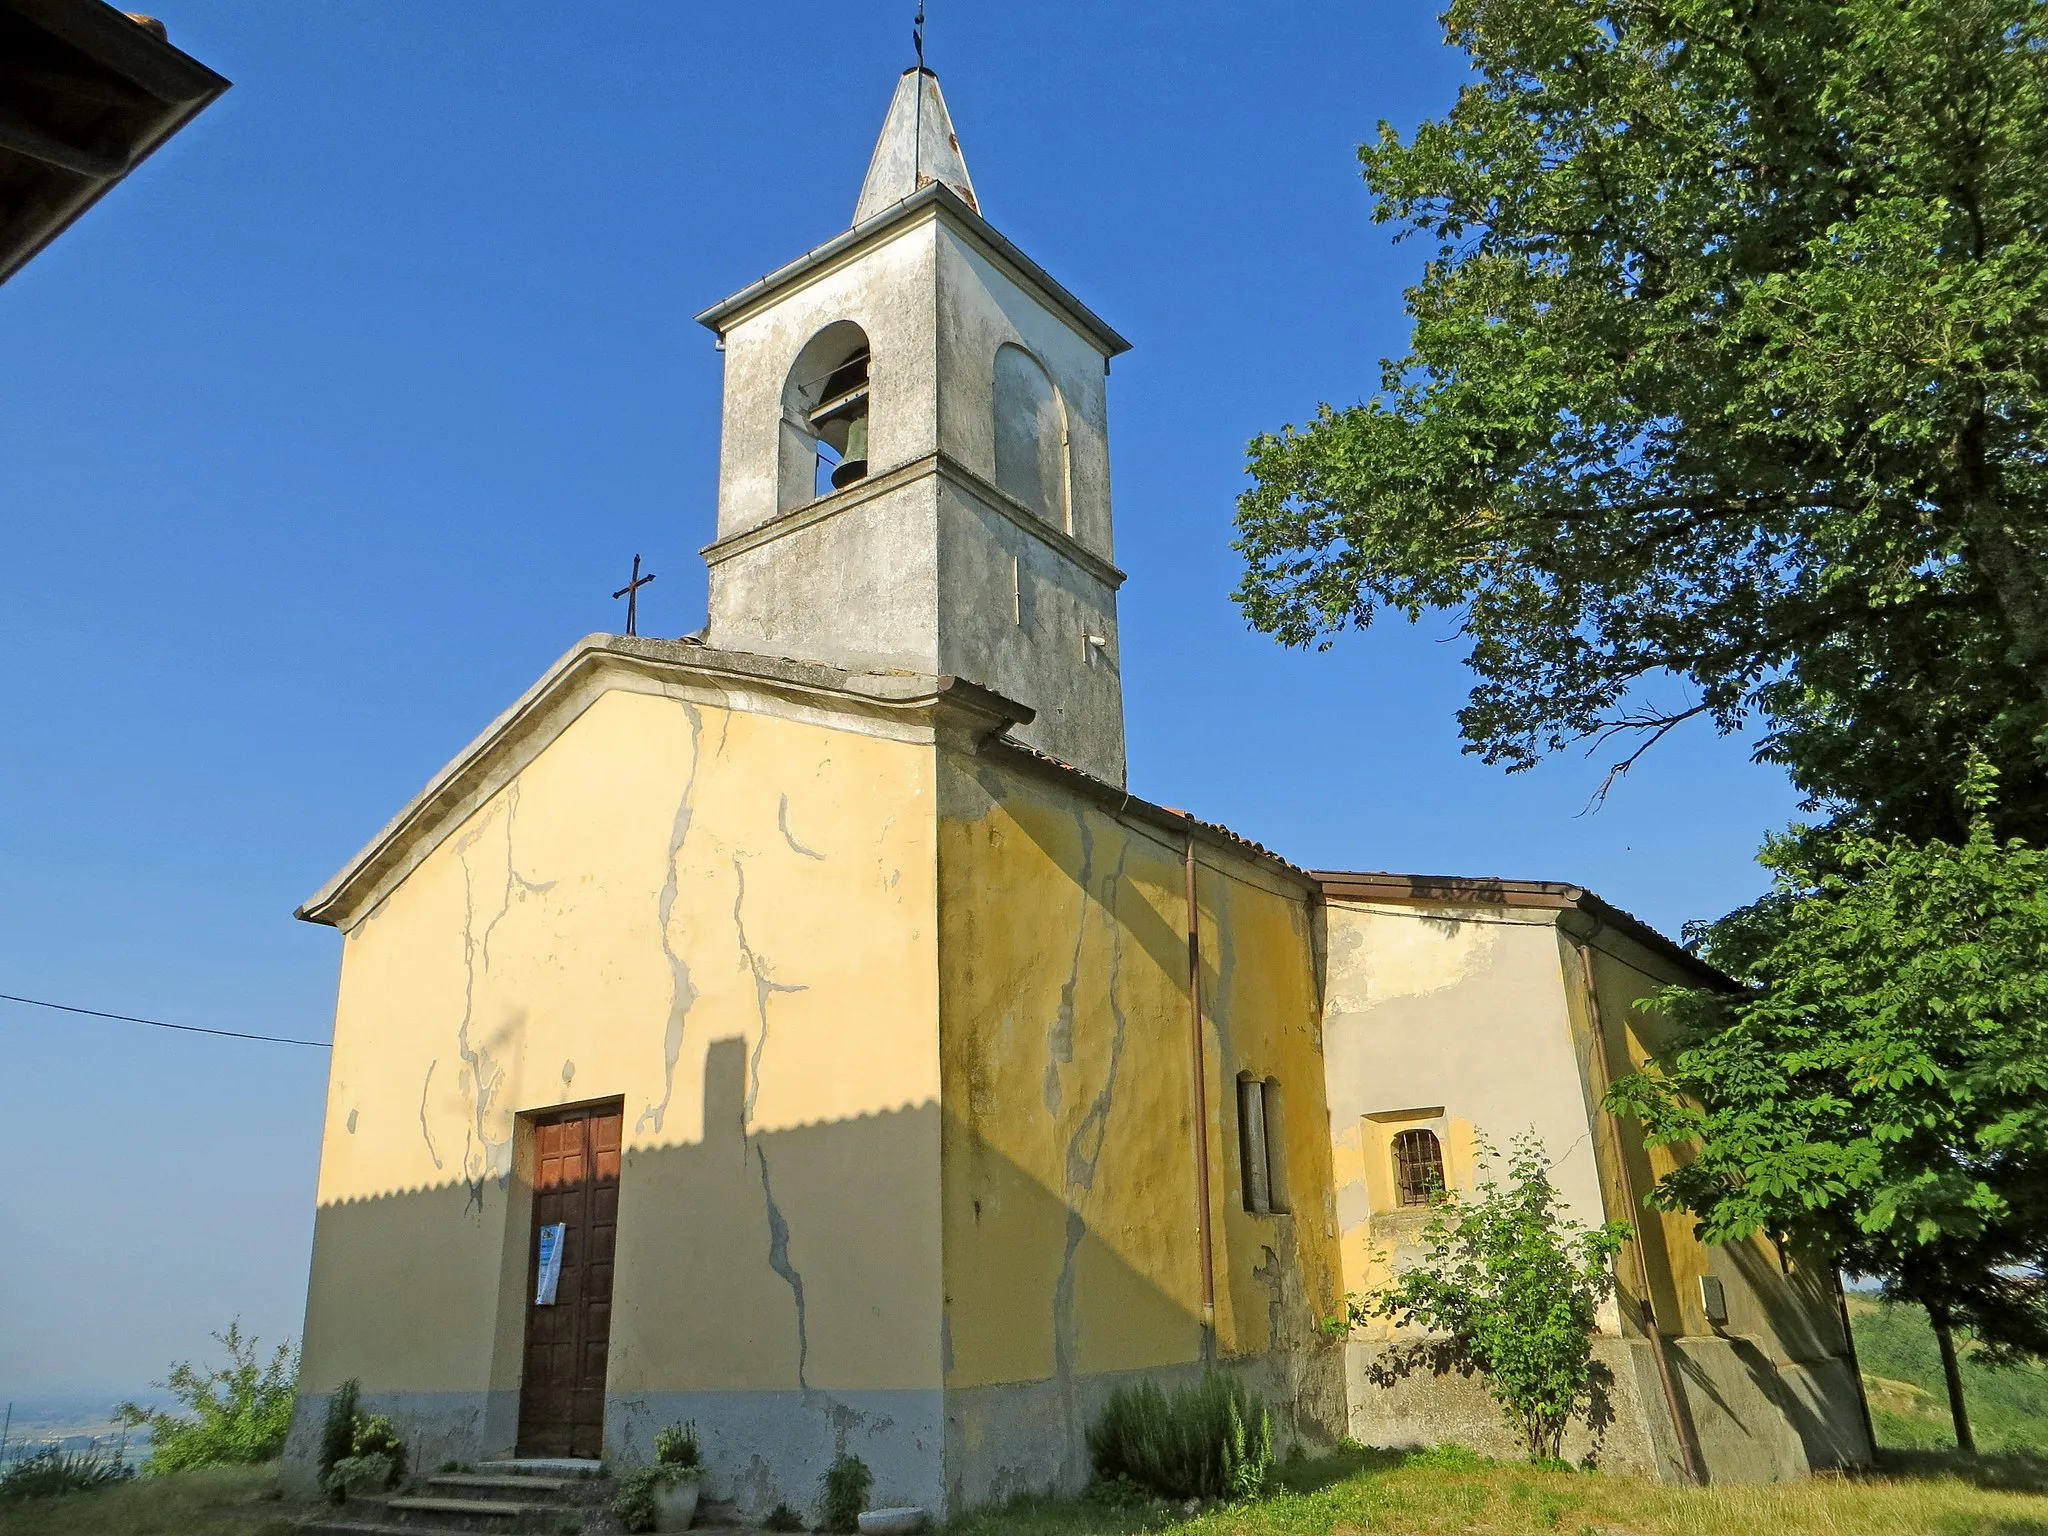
782,1288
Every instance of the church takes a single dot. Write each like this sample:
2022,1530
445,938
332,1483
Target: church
802,1029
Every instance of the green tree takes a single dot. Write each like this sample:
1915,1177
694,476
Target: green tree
1515,1286
1726,381
1881,1092
232,1414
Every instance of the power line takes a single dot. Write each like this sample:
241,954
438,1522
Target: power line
189,1029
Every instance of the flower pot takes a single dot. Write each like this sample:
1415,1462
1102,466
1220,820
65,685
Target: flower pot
677,1504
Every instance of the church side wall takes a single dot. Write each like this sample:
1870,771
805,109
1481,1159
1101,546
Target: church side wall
725,918
1471,1021
1770,1393
1455,1021
1070,1184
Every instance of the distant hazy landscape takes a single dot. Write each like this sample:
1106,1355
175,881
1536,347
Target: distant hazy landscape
74,1424
1908,1404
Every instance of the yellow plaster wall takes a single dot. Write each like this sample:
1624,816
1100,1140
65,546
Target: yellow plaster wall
725,918
1788,1309
1453,1020
1070,1189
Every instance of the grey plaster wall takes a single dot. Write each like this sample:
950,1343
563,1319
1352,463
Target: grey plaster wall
858,588
761,1449
980,308
1424,1408
924,565
1017,614
1029,1436
1752,1419
888,288
437,1427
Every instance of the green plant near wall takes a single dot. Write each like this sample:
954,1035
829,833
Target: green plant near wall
637,1505
1515,1287
230,1415
338,1428
1212,1440
847,1482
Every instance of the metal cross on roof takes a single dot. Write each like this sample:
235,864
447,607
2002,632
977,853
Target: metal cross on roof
631,593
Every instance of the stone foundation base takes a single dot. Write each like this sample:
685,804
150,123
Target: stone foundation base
1752,1420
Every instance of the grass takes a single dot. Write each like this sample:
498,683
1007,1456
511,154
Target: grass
1358,1491
218,1501
1908,1403
1354,1492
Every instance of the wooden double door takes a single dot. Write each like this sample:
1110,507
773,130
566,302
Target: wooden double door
568,1332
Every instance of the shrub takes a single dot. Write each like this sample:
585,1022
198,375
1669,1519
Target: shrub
338,1429
783,1518
353,1477
1515,1287
239,1413
51,1472
637,1504
847,1482
358,1454
1213,1440
676,1446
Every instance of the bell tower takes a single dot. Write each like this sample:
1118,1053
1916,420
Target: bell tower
914,456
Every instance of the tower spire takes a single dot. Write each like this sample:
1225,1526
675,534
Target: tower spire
917,146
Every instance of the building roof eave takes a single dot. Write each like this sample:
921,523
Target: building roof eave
1543,895
948,204
595,665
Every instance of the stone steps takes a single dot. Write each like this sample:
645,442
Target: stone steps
511,1482
514,1495
491,1509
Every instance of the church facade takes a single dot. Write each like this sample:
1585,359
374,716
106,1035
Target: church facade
800,1029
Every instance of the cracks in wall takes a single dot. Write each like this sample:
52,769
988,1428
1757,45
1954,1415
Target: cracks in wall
514,881
789,837
778,1260
482,1077
425,1134
765,987
1084,1146
682,991
1059,1034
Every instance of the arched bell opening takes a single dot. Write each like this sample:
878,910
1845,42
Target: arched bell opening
825,416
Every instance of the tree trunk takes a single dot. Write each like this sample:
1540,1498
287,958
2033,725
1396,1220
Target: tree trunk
1952,1373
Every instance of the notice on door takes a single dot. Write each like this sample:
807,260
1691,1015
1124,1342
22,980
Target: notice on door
550,1272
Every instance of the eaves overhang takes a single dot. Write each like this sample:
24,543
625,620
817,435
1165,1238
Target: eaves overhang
905,703
943,202
1593,913
1175,823
87,93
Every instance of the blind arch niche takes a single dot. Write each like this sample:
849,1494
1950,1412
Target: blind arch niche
1031,437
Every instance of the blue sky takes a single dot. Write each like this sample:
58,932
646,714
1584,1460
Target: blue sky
321,437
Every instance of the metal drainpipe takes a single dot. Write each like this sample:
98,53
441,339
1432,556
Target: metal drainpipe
1687,1455
1203,1234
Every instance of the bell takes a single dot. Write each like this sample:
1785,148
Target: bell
853,464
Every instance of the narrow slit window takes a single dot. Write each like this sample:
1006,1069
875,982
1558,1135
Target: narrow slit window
1251,1144
1418,1167
1276,1147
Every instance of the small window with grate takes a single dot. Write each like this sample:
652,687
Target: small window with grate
1418,1167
